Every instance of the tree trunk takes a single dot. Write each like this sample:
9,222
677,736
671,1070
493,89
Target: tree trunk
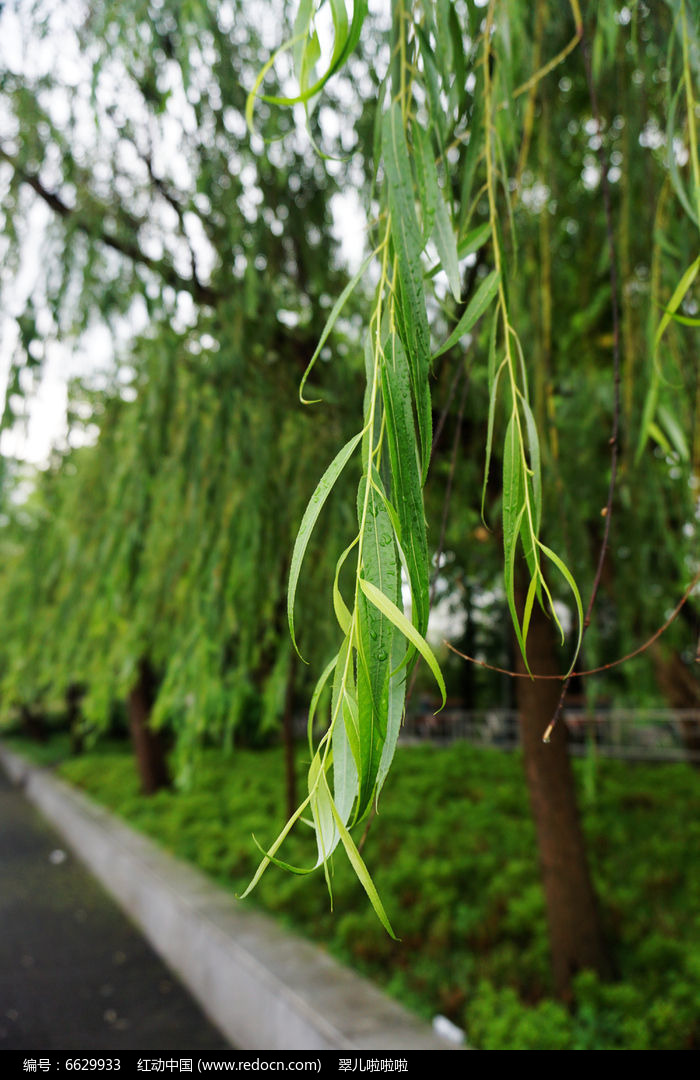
575,931
149,747
33,724
74,695
681,688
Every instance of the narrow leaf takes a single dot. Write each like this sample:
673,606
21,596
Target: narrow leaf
568,577
330,323
407,629
475,309
362,872
323,490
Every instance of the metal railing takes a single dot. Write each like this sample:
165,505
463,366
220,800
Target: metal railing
633,734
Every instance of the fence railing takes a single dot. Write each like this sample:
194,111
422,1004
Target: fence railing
634,734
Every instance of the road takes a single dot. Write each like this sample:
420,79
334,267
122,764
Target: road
76,978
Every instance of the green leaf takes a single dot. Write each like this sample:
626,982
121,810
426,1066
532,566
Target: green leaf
535,462
675,432
342,612
408,245
361,871
475,309
427,180
466,246
474,240
313,704
345,42
270,853
406,490
513,512
674,303
568,577
446,244
494,376
395,708
374,634
330,323
323,490
435,209
407,629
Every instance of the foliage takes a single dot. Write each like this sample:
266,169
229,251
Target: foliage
454,123
500,246
467,903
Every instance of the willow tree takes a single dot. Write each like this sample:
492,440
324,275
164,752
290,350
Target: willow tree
464,105
173,536
465,113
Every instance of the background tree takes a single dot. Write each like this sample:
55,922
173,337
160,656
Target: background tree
484,179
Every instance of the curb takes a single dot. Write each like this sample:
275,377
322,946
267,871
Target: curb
264,988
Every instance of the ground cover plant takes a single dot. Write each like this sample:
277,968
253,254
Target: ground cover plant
464,892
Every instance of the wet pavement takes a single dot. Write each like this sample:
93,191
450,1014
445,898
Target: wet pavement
75,976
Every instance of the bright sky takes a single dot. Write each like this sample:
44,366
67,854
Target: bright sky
45,424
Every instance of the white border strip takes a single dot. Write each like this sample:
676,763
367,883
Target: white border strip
264,988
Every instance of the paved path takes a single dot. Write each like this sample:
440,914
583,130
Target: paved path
76,977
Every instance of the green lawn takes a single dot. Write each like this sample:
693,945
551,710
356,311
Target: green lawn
453,855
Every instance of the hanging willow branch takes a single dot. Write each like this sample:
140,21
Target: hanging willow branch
422,107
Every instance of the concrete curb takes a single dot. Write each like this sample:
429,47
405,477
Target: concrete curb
264,988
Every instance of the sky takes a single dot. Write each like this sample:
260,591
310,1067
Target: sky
44,425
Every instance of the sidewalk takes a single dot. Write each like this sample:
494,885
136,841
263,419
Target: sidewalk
76,978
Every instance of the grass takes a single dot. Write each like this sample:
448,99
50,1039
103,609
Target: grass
454,858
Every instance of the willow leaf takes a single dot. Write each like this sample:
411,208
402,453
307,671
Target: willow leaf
673,168
407,629
362,871
406,491
443,233
685,320
342,612
330,323
446,244
407,242
270,852
513,514
475,309
512,484
374,634
674,303
315,697
345,777
323,490
345,43
432,84
493,398
535,462
568,577
395,709
470,243
323,817
475,239
675,432
529,601
426,175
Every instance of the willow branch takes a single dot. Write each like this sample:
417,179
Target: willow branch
603,667
203,294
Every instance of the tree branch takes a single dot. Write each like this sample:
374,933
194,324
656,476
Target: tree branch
203,294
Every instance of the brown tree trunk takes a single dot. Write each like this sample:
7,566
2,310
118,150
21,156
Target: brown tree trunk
33,724
149,746
681,687
74,695
575,933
